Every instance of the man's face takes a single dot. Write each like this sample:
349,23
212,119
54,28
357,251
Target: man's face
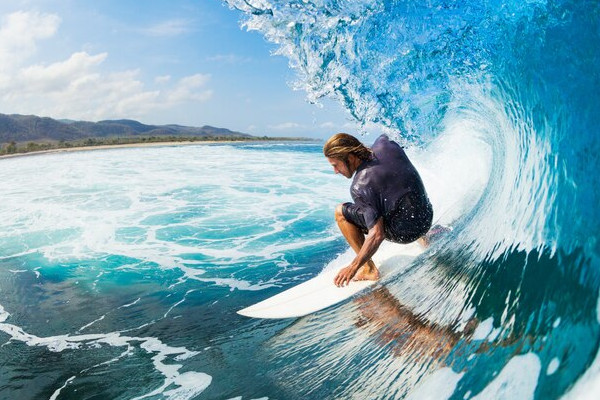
340,167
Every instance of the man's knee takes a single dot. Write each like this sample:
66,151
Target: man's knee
339,213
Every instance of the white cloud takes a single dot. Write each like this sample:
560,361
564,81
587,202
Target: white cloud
79,87
190,89
328,125
285,126
56,76
19,33
173,27
162,79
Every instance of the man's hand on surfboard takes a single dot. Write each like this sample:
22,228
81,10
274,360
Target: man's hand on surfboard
345,275
367,272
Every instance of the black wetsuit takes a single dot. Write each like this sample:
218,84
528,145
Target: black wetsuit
389,186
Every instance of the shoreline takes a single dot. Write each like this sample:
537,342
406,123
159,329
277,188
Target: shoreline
132,145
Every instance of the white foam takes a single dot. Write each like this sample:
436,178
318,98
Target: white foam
483,329
509,214
83,207
437,386
517,380
187,384
587,386
240,398
91,323
131,304
178,303
446,168
3,314
57,391
190,385
556,323
553,366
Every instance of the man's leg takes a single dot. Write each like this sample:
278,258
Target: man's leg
356,239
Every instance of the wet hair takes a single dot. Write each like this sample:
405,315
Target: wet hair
341,145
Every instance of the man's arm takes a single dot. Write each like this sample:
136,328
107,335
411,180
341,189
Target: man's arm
375,236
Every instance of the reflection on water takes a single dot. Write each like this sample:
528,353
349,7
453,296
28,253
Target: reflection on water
519,327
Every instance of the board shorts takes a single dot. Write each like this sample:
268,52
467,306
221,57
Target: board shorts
411,218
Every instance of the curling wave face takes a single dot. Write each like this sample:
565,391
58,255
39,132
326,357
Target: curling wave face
514,287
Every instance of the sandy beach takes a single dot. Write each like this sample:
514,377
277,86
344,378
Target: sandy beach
115,146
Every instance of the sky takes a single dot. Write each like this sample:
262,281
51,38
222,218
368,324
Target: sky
187,62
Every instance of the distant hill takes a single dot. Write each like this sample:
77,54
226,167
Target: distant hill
31,128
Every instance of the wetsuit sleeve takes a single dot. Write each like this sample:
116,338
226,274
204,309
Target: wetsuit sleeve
366,201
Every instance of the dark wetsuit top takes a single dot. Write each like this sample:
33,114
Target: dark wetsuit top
389,186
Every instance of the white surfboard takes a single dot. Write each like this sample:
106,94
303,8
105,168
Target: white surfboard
320,292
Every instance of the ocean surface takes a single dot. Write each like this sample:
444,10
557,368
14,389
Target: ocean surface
121,270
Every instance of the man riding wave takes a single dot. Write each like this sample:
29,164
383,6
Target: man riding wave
389,200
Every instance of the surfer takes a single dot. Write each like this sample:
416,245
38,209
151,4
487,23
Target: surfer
390,201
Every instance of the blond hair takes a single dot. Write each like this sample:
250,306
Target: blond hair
341,145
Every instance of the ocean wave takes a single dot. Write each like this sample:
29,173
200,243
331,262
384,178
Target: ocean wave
518,81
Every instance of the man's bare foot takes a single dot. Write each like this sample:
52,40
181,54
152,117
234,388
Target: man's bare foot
367,273
423,241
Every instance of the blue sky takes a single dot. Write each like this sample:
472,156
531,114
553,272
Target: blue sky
185,62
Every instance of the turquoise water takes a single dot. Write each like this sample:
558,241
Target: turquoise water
121,270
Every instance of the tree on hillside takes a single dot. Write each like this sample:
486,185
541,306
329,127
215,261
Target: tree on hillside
31,146
11,148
